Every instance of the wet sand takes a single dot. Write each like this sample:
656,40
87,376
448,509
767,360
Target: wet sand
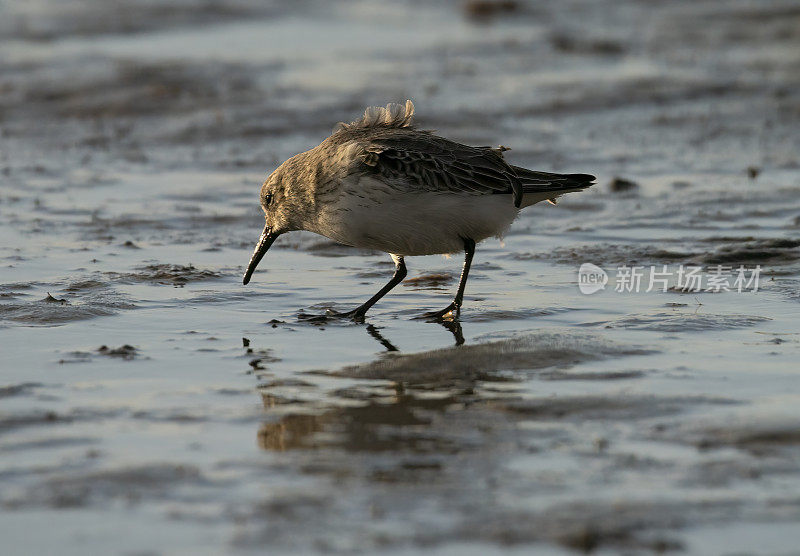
150,403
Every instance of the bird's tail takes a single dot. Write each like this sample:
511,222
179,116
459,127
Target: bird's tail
546,186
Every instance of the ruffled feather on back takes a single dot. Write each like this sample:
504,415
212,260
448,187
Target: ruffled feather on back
394,115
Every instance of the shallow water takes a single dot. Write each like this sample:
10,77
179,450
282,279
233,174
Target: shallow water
151,403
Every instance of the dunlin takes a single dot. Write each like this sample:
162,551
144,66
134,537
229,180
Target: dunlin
382,183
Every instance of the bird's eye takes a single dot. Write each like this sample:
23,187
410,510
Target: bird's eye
267,199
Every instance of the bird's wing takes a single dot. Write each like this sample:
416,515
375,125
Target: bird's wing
435,164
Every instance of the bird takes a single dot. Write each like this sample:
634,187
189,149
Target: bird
382,183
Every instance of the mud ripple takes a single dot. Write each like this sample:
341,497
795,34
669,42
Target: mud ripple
43,417
53,311
757,436
432,281
618,525
155,481
686,322
607,254
517,314
625,407
19,389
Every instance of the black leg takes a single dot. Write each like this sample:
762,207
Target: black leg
469,252
399,273
455,306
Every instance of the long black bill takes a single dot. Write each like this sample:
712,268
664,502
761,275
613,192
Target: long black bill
267,239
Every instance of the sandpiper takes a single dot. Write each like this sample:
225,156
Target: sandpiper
382,183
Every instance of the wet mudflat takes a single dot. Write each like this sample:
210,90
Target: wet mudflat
150,403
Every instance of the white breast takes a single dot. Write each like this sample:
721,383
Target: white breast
371,214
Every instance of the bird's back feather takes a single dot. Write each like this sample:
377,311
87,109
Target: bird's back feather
387,145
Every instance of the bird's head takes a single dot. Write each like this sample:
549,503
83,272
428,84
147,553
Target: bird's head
276,220
285,204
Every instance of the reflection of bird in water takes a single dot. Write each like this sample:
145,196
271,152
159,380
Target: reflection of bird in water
392,402
373,331
455,328
290,432
356,428
381,183
452,325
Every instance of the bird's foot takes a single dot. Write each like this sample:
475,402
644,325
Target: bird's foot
356,315
451,312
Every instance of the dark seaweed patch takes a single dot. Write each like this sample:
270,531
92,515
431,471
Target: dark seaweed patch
772,251
622,185
126,352
168,274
